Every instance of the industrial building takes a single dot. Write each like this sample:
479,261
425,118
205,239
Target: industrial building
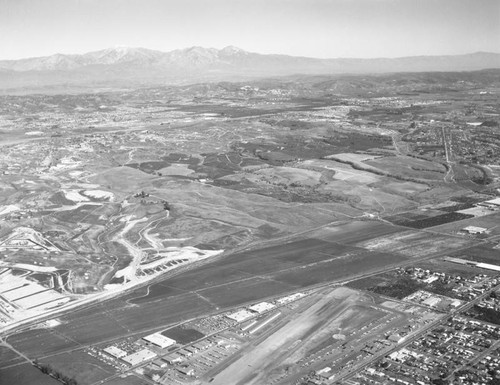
432,301
487,266
290,298
160,363
159,340
240,315
115,352
473,230
186,371
261,307
173,359
139,357
25,294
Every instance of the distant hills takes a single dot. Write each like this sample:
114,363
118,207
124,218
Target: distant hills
123,66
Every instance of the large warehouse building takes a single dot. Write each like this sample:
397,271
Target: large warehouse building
159,340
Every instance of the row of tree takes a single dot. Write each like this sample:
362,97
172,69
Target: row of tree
49,370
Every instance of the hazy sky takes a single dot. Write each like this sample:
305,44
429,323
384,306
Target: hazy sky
317,28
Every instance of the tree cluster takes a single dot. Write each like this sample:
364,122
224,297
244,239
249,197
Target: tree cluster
49,370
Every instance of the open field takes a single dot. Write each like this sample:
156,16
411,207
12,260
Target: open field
416,244
183,336
8,357
490,222
409,167
80,366
354,231
480,253
25,374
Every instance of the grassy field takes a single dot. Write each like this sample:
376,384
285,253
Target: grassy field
409,167
415,243
480,253
25,374
8,357
183,336
47,342
490,222
355,231
80,366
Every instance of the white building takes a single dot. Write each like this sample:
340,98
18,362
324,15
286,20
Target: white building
261,307
240,315
431,301
115,352
290,298
139,357
474,230
160,340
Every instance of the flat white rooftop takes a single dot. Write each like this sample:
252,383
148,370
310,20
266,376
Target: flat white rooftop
45,299
474,229
290,298
488,266
115,352
139,357
23,291
261,307
160,340
240,315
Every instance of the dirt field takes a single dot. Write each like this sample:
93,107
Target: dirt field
415,244
344,171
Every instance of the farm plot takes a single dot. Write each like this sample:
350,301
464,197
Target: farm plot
415,244
489,222
409,167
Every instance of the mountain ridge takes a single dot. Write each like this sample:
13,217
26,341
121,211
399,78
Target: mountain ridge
137,64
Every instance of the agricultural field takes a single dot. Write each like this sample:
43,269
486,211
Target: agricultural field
80,366
490,222
416,244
